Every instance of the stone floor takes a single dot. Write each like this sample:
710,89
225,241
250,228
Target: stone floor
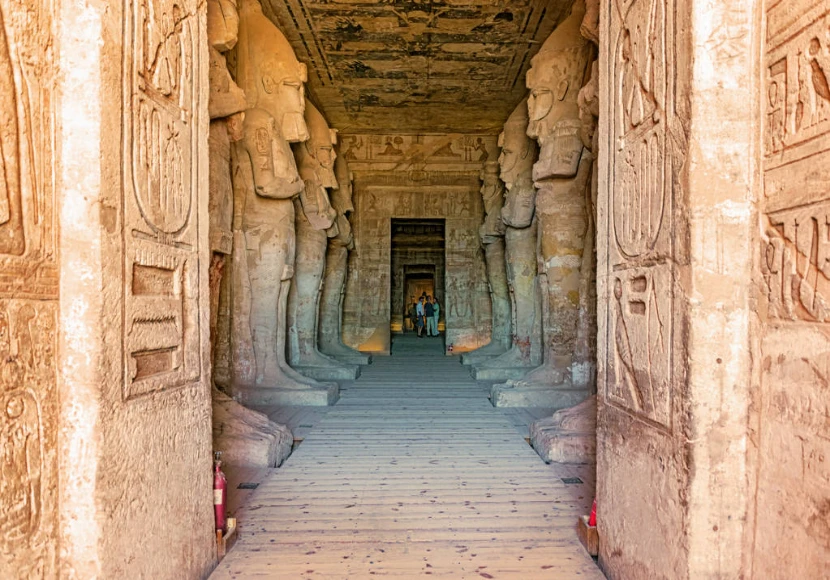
413,473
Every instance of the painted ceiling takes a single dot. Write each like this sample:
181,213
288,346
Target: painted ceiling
416,66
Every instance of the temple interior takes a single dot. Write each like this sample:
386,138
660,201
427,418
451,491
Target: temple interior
453,288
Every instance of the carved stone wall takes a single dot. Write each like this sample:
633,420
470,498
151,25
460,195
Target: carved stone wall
28,293
134,302
792,527
675,228
417,176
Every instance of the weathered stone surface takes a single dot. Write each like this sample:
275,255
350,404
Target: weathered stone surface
330,330
790,428
675,260
315,222
133,350
29,309
265,179
491,234
517,156
569,436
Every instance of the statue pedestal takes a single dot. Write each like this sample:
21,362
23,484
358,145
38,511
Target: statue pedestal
323,396
500,374
569,436
358,358
483,354
507,395
342,372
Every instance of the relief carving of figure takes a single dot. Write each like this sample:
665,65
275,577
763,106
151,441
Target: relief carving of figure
11,211
518,153
330,333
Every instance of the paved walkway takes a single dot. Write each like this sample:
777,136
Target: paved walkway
413,474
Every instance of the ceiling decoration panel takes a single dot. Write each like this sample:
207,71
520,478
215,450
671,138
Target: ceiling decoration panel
417,65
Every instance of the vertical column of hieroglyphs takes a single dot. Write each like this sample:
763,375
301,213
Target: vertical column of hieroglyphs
161,285
28,292
793,533
640,205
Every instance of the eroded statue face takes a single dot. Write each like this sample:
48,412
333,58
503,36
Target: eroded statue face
554,80
275,171
518,153
283,87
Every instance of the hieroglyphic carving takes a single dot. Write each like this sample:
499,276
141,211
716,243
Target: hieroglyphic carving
28,433
28,291
793,478
161,169
797,100
640,313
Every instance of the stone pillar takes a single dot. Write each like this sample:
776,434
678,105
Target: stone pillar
135,486
676,223
330,331
518,152
265,182
315,222
491,235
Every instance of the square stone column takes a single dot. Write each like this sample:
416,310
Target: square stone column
677,228
133,349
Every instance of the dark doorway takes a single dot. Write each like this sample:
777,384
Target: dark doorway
417,266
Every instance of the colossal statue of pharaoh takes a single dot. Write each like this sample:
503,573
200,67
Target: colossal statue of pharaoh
561,177
265,181
315,222
518,153
330,331
245,437
491,235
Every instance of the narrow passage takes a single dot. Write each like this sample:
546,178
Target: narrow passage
413,474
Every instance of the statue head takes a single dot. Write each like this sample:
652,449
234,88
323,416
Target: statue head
341,201
518,152
275,172
554,79
269,72
320,145
315,198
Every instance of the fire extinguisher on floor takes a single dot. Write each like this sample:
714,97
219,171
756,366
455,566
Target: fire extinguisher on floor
220,493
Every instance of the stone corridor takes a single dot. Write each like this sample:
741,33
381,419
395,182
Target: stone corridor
414,473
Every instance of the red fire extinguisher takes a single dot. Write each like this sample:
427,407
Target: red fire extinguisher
592,519
220,493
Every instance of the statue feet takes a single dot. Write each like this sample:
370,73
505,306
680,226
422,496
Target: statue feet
513,364
246,437
287,387
345,354
319,366
569,436
544,376
483,353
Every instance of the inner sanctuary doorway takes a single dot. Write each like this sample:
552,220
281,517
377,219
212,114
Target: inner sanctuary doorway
418,265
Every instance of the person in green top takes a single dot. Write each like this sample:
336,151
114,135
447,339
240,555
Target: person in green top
432,321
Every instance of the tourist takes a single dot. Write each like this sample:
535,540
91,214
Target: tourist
429,314
436,312
413,314
419,310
